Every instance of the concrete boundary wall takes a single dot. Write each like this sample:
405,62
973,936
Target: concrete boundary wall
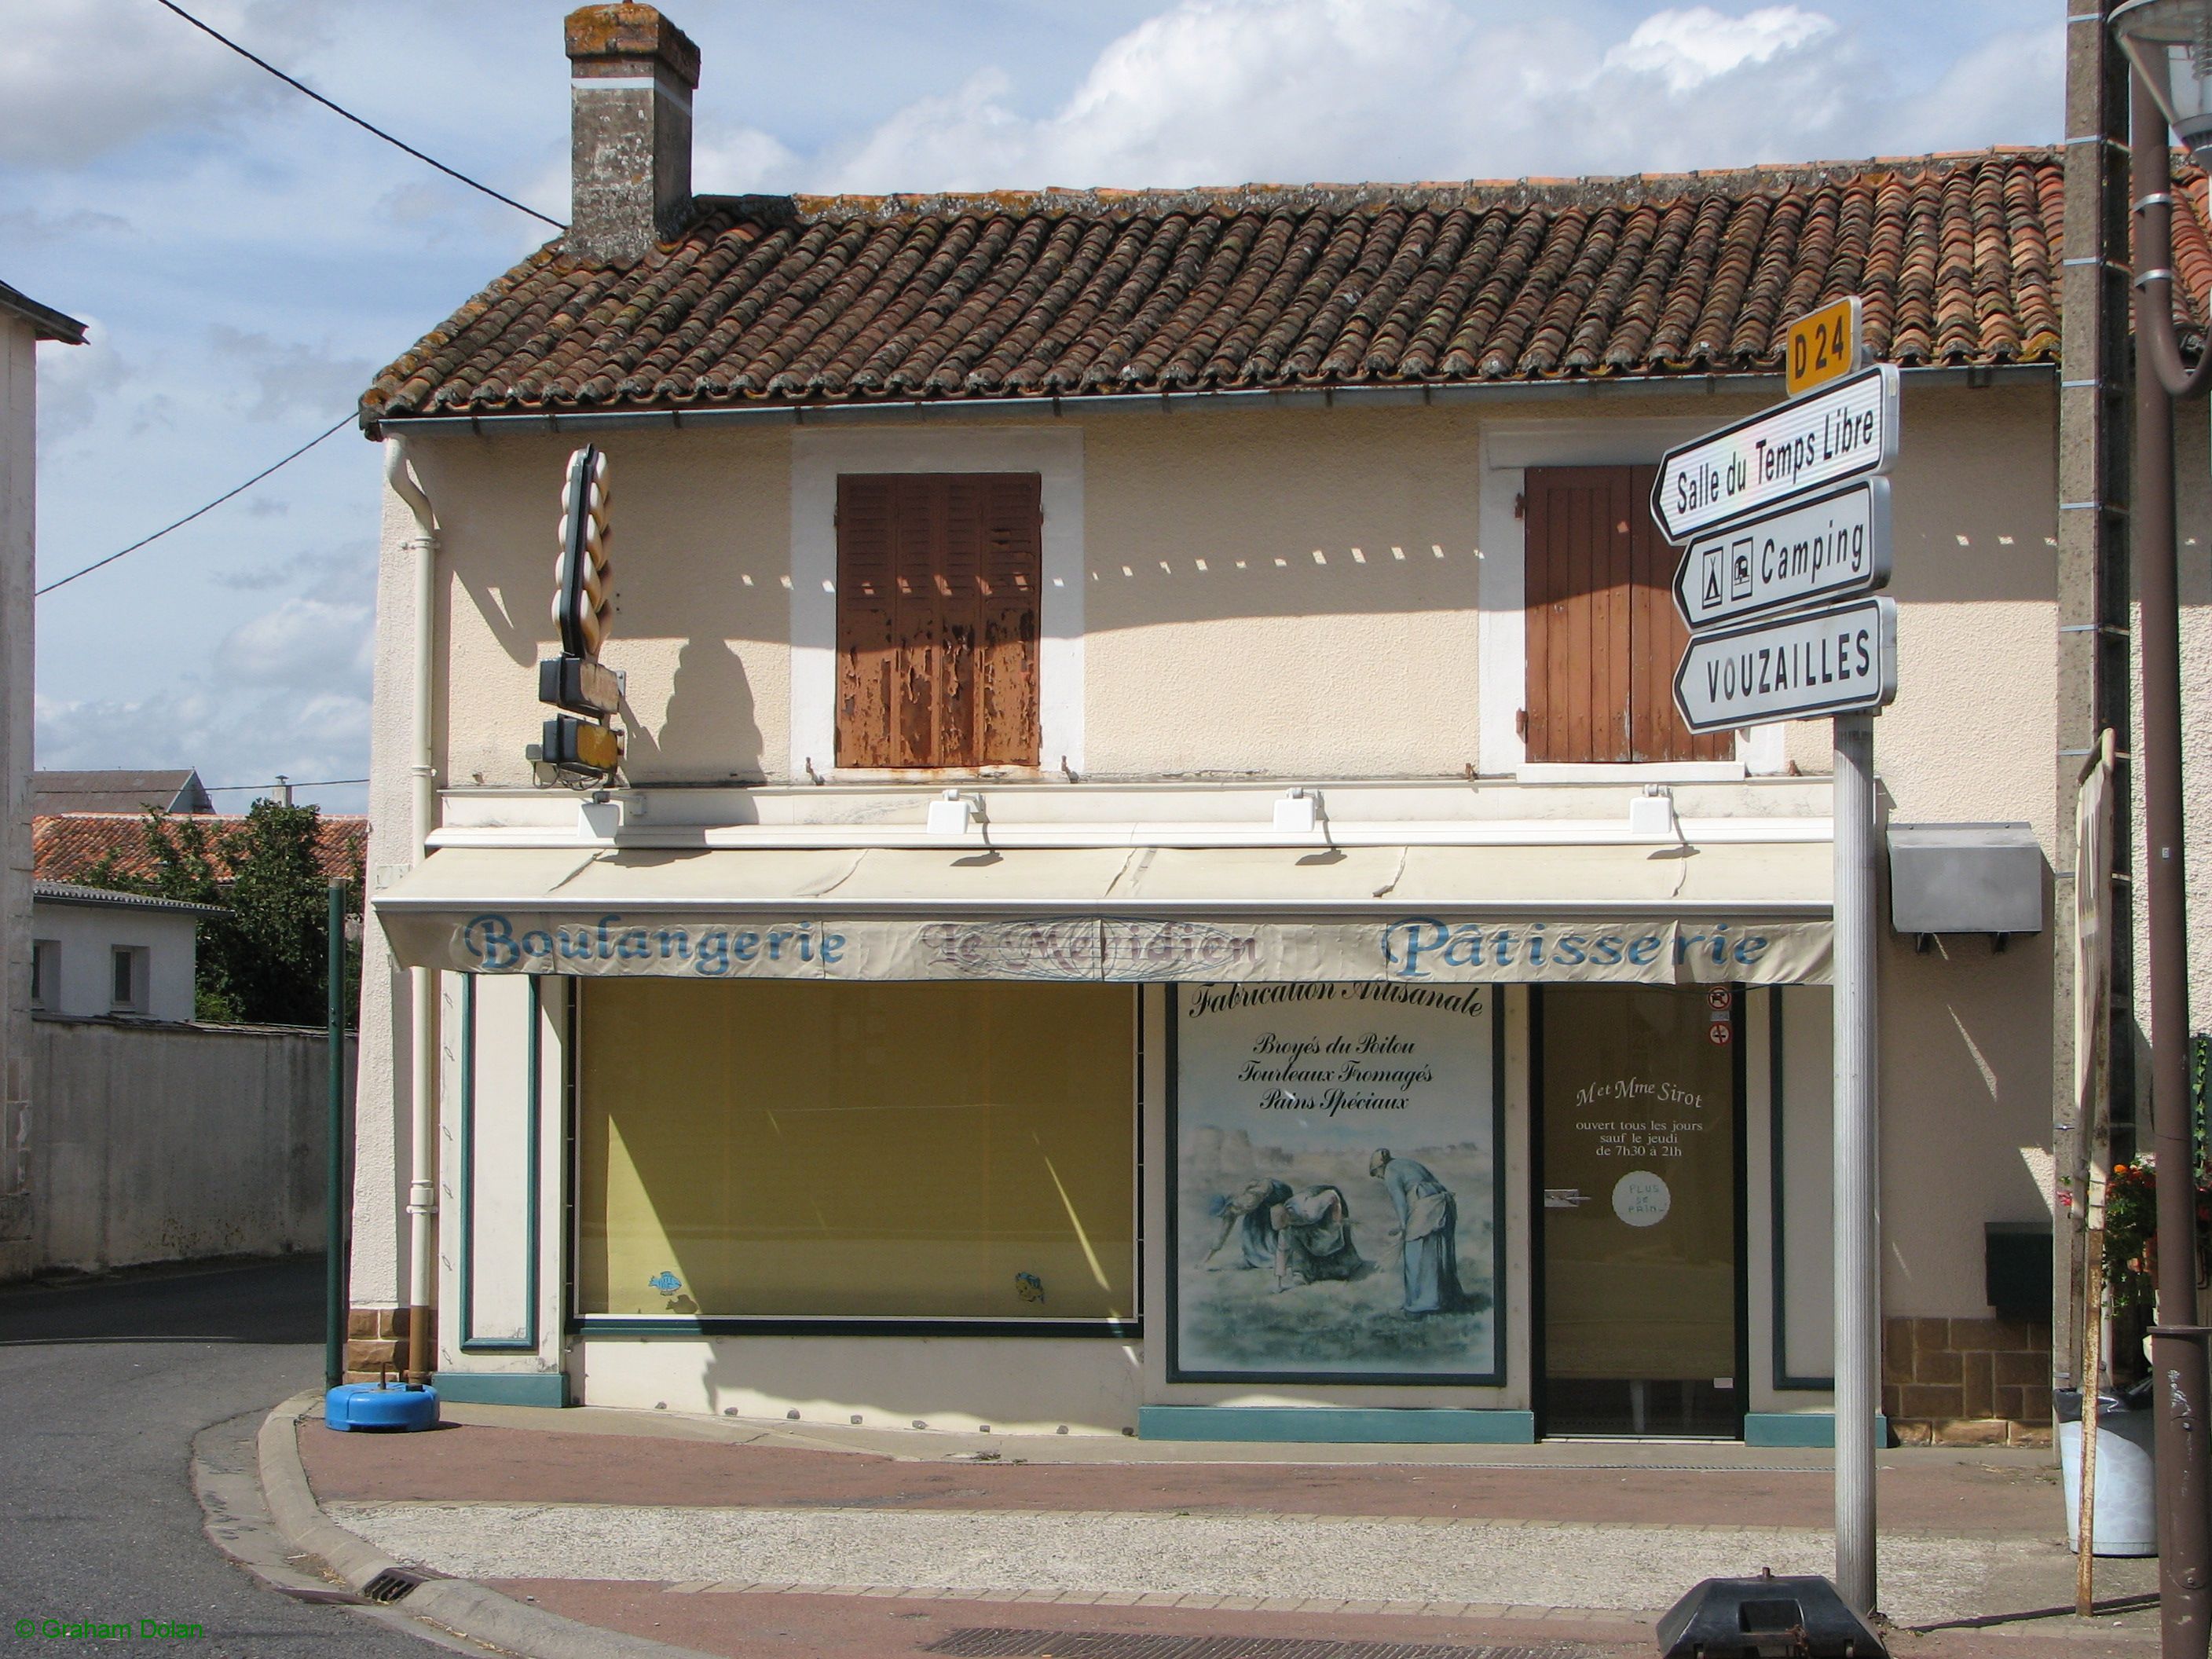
159,1142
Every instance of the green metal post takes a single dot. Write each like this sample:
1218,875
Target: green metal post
334,1313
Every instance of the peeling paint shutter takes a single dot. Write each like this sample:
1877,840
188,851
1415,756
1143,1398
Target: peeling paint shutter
937,579
865,610
1012,571
1602,635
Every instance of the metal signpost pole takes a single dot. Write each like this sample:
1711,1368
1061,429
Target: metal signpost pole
1858,1170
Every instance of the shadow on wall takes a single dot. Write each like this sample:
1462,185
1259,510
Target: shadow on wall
707,730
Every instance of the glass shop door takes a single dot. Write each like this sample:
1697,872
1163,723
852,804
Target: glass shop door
1639,1207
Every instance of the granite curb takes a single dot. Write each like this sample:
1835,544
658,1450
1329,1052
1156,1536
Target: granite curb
470,1610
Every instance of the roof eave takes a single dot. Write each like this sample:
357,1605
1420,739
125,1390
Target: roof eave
1757,382
46,322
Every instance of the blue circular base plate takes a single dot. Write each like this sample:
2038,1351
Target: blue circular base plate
404,1407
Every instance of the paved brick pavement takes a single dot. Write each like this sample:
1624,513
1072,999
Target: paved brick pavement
593,1498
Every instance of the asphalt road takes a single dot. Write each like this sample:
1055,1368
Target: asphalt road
102,1387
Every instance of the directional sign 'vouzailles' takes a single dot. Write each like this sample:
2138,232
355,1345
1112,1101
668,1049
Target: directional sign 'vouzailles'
1836,661
1847,431
1829,547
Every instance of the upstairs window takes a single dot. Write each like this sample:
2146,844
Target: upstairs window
46,974
1603,635
937,580
129,988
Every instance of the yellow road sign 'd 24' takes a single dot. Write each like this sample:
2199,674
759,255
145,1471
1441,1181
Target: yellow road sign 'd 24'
1823,345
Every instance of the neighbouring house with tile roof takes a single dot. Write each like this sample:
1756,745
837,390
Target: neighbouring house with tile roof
77,847
1157,883
102,955
174,791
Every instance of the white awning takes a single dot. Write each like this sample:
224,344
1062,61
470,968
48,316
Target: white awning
1649,913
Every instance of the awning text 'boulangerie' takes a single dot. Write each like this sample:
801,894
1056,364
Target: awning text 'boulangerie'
1627,913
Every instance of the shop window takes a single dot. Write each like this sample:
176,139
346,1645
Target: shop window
937,580
894,1150
1603,635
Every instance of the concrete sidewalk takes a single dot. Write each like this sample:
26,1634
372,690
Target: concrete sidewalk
766,1538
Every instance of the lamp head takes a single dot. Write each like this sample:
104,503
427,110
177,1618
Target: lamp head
2170,44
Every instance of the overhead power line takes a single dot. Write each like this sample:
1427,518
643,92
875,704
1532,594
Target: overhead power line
280,783
366,126
64,581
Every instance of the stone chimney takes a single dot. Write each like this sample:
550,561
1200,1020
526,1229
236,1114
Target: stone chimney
631,76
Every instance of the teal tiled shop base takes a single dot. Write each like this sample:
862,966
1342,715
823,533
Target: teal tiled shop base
503,1388
1330,1424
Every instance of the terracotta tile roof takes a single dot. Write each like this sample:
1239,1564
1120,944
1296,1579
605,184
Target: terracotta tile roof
68,845
837,299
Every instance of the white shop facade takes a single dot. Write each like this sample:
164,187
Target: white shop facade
1383,1112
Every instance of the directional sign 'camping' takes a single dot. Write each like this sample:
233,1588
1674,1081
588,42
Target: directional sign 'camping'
1849,430
1828,548
1837,661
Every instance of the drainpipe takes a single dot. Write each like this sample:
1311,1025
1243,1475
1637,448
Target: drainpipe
422,1173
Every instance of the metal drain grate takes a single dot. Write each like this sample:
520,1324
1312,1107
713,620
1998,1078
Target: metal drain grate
987,1643
393,1584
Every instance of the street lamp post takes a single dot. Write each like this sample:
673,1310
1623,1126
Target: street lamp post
2169,42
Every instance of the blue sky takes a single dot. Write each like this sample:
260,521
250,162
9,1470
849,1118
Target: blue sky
247,261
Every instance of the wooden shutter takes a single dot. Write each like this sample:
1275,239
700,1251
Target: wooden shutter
1656,638
937,580
1602,635
1012,572
867,611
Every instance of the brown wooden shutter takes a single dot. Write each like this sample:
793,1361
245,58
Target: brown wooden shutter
937,580
1577,575
867,592
1657,637
1010,576
1602,634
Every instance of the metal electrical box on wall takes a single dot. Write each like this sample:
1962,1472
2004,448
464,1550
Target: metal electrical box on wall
1964,879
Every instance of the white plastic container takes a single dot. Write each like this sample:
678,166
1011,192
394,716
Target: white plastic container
2126,1519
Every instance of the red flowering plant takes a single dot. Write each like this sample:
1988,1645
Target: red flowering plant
2131,1230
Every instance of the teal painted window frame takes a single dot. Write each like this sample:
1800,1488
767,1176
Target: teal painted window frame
533,1164
1783,1382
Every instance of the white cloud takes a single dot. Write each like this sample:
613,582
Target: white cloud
231,739
303,645
74,381
293,379
1689,47
726,161
2009,84
1225,92
88,77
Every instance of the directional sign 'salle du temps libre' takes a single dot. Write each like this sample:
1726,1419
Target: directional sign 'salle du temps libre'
1830,547
1847,431
1837,661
